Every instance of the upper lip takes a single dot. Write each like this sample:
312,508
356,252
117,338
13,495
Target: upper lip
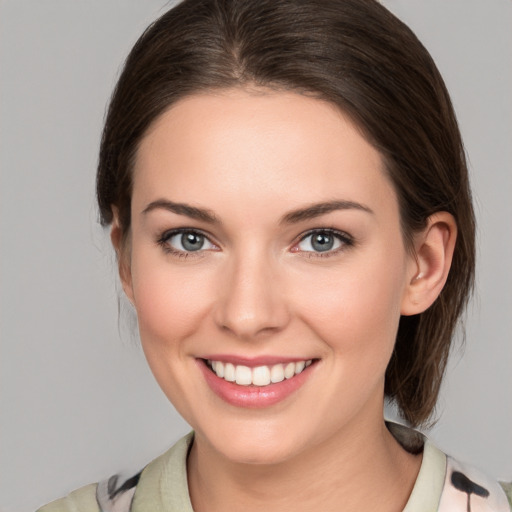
252,362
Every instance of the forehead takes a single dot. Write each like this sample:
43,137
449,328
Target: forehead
276,147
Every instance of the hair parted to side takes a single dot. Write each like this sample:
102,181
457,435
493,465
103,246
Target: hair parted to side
354,54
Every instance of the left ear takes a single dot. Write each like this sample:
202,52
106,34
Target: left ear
433,252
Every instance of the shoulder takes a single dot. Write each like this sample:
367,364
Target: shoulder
81,500
507,487
112,495
445,484
135,492
467,486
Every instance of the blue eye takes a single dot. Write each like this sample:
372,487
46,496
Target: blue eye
185,241
324,241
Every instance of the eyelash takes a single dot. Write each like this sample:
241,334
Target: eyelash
346,240
163,241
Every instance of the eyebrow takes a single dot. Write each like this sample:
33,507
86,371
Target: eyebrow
293,217
318,209
193,212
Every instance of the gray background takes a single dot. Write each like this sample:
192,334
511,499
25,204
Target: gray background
77,402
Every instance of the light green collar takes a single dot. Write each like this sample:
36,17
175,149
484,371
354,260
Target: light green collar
163,485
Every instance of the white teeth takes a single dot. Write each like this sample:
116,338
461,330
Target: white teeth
229,372
276,373
289,370
219,368
243,375
260,375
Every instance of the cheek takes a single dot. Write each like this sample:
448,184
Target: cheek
356,310
170,301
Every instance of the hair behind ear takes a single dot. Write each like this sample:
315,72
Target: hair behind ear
418,363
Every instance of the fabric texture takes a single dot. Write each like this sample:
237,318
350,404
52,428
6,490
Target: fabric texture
443,484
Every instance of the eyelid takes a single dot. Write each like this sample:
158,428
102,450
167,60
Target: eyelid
164,238
343,237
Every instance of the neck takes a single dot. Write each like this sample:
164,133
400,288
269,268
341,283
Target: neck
361,468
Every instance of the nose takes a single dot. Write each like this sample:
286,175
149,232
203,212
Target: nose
251,301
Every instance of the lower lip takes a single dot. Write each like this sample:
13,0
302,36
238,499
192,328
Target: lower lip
253,396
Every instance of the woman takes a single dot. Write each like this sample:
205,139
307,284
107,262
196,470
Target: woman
288,199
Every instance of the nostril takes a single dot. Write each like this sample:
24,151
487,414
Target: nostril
250,303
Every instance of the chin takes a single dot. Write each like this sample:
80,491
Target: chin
257,444
257,454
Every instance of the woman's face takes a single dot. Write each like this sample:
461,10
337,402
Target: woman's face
266,239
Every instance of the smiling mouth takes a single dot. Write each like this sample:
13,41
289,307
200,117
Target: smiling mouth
260,376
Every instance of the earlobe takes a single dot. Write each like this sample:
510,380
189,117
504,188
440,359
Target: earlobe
122,256
434,248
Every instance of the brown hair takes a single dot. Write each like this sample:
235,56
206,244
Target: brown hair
354,54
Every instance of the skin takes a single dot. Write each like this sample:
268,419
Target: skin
258,288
